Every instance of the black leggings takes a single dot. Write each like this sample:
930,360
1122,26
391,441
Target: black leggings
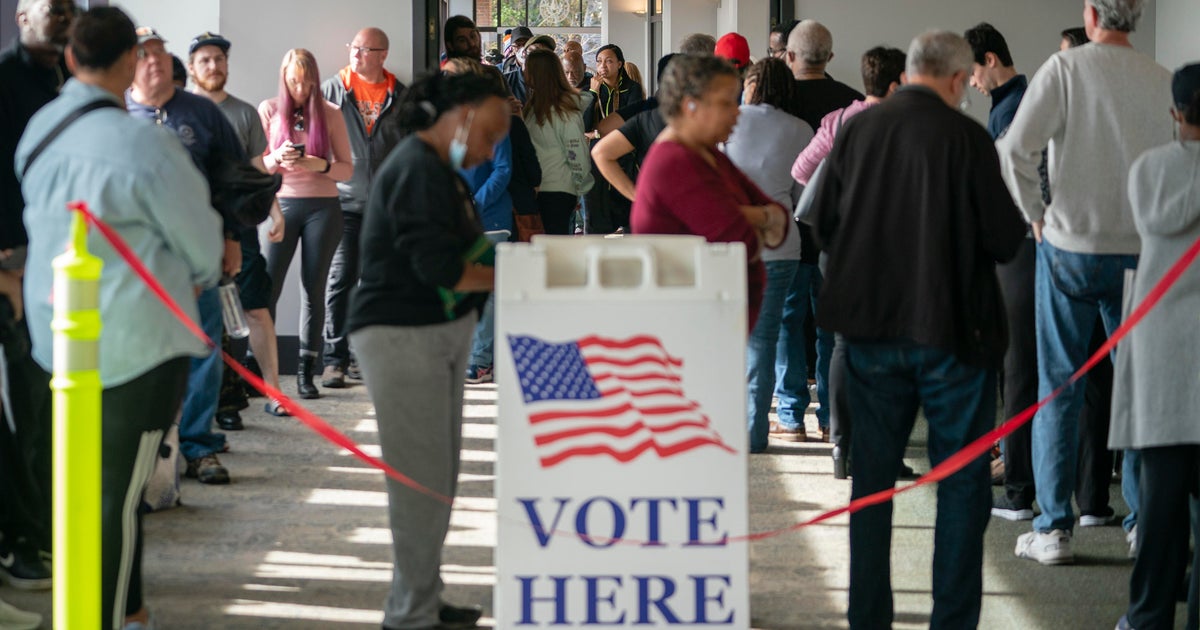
135,417
556,209
317,221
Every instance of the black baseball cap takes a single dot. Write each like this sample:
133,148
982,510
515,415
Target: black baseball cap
208,39
521,32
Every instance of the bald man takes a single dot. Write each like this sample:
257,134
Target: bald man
368,96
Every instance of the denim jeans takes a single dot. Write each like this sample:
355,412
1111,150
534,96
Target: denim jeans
761,349
196,437
1071,290
343,276
791,362
886,383
485,330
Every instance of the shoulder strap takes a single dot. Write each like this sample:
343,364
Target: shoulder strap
62,125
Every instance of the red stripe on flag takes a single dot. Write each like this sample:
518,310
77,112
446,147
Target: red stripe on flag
620,432
632,453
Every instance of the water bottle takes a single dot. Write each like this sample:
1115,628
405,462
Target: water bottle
231,310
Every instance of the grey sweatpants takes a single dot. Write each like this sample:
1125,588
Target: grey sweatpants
414,375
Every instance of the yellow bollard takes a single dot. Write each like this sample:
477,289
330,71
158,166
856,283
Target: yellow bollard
77,434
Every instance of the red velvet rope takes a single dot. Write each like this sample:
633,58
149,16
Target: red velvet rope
951,465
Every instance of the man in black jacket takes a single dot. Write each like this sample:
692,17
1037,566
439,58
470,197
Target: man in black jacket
914,215
367,94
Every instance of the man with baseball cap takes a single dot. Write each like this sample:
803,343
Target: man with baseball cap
516,43
208,65
207,135
735,48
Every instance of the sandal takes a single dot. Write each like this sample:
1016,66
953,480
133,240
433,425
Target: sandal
275,408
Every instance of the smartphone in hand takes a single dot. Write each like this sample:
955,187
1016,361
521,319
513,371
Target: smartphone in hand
300,148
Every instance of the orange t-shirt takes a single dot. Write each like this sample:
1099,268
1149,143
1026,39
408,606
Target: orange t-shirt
369,96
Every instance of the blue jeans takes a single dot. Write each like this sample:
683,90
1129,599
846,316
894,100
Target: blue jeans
761,349
885,384
1071,290
485,329
196,437
791,362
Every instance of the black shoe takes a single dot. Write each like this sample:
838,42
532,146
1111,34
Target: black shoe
906,471
458,617
841,464
22,568
230,421
304,379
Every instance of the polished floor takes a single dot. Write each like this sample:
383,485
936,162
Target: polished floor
300,539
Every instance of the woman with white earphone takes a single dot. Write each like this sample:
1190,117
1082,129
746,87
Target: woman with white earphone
688,186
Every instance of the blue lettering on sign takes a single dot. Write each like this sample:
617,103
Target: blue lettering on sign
657,600
700,520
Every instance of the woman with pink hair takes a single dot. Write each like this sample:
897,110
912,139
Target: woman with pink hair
307,143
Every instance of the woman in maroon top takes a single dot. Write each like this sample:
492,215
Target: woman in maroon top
687,186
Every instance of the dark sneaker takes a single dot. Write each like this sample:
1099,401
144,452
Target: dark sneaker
1099,519
207,469
477,374
333,377
230,421
1011,510
353,372
457,617
22,568
780,432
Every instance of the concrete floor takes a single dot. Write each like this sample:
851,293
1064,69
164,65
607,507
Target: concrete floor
300,539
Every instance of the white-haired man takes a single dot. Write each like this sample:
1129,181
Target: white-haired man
1097,108
928,331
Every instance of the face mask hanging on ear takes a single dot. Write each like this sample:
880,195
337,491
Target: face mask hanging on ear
458,146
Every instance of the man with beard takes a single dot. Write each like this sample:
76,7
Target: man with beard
206,134
208,65
32,71
462,38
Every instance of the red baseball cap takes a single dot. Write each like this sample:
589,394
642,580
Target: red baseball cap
735,48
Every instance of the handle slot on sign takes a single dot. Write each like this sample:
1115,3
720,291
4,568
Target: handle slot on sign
627,267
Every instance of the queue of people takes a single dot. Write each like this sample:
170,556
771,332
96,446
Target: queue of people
1017,238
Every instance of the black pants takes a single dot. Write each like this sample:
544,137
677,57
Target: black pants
556,209
25,456
316,224
607,209
1020,382
1170,476
1095,467
136,415
839,406
343,275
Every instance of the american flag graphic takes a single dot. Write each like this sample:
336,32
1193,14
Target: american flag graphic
620,398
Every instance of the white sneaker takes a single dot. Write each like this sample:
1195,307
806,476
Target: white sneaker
13,618
1131,538
1052,547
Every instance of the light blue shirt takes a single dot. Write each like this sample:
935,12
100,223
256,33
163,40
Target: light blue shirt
138,178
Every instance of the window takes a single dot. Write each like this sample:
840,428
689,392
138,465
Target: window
564,20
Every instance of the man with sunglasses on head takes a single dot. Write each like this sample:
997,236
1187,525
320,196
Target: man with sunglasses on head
32,71
207,136
368,96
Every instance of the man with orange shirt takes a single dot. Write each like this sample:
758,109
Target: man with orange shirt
368,95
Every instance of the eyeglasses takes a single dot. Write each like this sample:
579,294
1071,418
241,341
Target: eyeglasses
298,120
355,50
778,53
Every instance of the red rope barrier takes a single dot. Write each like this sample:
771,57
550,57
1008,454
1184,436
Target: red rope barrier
951,465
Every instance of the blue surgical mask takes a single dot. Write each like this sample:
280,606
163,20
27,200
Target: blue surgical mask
458,146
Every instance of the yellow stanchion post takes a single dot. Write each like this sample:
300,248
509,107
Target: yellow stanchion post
77,434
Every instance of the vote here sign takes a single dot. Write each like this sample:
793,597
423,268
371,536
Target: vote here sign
621,472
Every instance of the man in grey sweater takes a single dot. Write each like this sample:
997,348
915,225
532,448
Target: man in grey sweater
1097,107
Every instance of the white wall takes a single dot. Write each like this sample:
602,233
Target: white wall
1031,27
176,25
684,17
1176,36
621,26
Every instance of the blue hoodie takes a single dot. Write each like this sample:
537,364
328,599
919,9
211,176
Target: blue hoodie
489,183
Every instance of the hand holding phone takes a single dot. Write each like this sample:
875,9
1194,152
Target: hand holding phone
300,148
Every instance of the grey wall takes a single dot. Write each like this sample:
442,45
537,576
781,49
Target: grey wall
1032,28
1178,32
